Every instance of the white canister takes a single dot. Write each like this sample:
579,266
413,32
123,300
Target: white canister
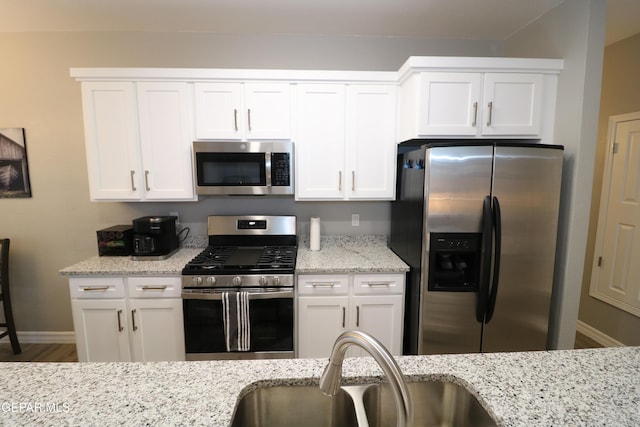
314,234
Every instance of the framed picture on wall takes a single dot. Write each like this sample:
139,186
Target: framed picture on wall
14,170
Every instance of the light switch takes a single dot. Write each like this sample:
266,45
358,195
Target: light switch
355,220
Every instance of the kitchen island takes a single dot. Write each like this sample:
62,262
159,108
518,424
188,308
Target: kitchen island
595,387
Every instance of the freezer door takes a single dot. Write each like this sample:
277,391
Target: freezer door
527,185
457,180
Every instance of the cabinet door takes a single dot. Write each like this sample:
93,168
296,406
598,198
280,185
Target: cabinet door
320,321
156,328
111,138
267,110
320,142
380,316
165,136
512,104
371,142
218,110
449,104
101,330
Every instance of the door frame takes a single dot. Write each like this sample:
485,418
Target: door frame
603,212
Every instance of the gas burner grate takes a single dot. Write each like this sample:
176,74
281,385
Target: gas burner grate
277,256
213,257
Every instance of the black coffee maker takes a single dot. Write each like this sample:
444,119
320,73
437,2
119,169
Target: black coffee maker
154,237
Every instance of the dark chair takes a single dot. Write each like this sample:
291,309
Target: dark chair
5,295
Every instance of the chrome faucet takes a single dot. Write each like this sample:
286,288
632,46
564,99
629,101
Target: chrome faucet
331,379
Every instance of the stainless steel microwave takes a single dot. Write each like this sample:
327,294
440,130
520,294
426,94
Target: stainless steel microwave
243,168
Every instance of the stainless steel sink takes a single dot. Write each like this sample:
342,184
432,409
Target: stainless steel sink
294,406
436,403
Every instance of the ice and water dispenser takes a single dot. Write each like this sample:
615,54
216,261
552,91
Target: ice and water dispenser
454,261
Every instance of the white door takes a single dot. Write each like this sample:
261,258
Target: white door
267,110
616,268
165,137
320,142
449,104
512,104
111,138
371,142
320,321
101,330
381,317
218,110
156,328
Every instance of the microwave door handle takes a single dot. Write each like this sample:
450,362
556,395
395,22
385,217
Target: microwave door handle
267,169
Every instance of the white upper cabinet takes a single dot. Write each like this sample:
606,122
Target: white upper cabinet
476,104
242,111
371,142
448,103
345,142
512,104
165,137
138,141
111,138
320,141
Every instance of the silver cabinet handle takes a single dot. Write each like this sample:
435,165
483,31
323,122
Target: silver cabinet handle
120,328
95,288
475,114
133,183
249,118
353,180
378,284
490,105
344,316
323,284
133,319
235,118
339,180
154,288
146,180
357,316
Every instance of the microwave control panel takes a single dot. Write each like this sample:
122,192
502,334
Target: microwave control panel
280,169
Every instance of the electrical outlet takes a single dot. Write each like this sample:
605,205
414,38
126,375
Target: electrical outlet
355,220
177,215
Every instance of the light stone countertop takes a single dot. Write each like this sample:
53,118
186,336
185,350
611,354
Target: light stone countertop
125,266
349,254
337,254
599,387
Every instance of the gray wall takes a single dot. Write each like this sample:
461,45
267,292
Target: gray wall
56,227
573,31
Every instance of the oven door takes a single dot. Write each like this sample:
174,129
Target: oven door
271,314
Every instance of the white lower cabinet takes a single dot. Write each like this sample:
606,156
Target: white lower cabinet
120,319
331,304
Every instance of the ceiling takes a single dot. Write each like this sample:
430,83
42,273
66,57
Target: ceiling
443,19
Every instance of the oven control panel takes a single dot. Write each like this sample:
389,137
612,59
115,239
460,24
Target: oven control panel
238,281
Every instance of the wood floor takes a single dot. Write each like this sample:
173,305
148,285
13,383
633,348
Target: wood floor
39,353
67,352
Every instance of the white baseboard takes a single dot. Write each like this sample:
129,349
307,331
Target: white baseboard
599,337
45,337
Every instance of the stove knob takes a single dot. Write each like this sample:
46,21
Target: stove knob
237,281
197,281
262,281
276,280
211,281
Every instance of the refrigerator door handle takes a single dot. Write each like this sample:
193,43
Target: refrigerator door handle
497,230
487,235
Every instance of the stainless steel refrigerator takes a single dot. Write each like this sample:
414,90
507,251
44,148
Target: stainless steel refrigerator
477,224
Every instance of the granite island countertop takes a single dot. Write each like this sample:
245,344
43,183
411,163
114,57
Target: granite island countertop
595,387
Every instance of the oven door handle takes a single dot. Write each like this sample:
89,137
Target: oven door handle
252,295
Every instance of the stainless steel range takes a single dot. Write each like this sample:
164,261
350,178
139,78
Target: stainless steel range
238,292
